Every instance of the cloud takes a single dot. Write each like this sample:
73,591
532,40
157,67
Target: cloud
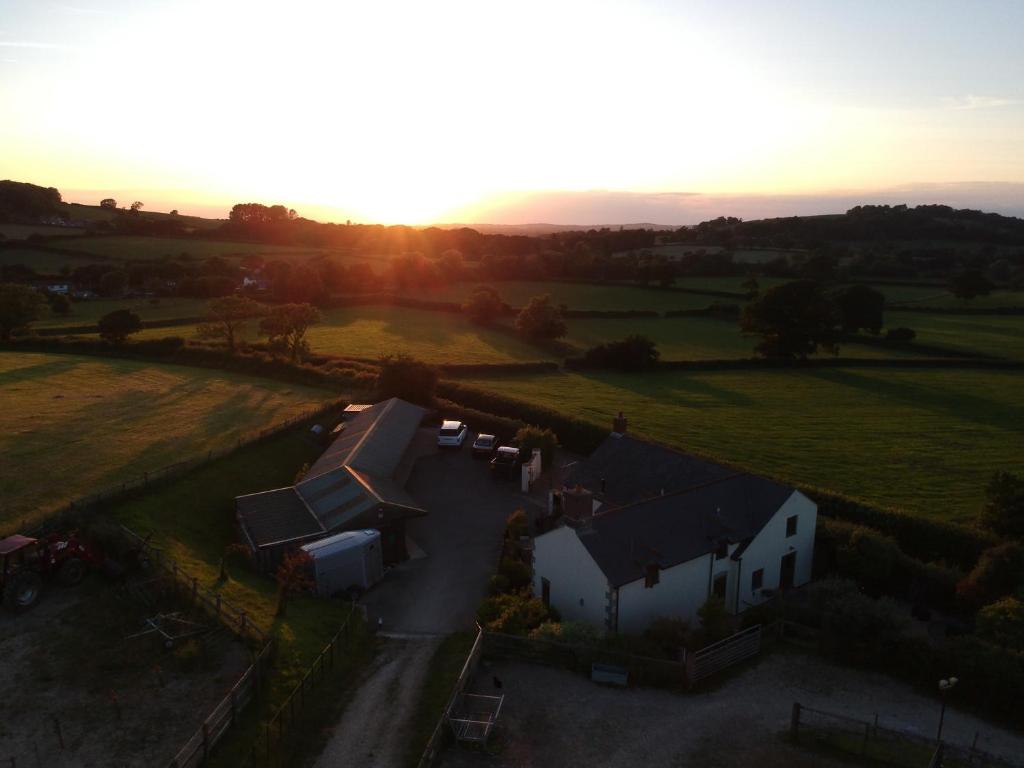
972,101
81,11
31,44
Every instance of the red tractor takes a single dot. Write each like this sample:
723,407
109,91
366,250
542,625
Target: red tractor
26,562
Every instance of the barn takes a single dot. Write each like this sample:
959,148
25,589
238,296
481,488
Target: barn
356,484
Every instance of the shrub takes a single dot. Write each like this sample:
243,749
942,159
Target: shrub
410,379
715,623
634,353
999,572
516,572
901,335
116,326
667,635
568,632
518,524
1002,623
529,438
484,305
1004,505
513,614
540,320
498,585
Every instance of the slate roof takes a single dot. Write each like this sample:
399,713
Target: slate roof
352,477
635,469
276,516
677,527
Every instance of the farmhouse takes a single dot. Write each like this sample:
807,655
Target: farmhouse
649,532
352,486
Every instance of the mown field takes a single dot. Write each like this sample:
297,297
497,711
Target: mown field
998,335
89,312
926,441
21,231
71,426
946,300
126,247
43,262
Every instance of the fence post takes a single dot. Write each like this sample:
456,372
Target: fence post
794,723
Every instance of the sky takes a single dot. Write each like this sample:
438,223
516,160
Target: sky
554,111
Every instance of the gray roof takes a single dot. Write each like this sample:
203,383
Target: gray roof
352,477
678,527
635,469
276,516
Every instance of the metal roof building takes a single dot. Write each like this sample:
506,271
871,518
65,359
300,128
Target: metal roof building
352,485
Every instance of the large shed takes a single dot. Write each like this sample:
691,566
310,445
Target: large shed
351,486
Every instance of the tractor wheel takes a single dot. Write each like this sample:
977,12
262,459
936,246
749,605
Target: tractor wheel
71,572
22,590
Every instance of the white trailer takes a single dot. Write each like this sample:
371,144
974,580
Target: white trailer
349,561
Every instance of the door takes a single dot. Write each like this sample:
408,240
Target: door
545,591
718,586
787,571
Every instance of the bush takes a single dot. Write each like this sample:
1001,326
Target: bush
116,326
529,438
405,377
512,614
901,335
634,353
1004,505
516,572
498,585
518,524
667,636
715,622
541,320
484,305
568,632
1002,623
999,572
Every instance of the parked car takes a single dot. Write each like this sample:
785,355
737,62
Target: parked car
452,434
505,462
484,445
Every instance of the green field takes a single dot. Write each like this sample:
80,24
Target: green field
125,247
995,299
21,231
89,312
998,335
41,261
926,441
71,425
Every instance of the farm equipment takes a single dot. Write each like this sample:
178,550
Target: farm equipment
25,563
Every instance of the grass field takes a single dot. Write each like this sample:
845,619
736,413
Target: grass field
924,440
71,426
999,335
125,247
89,312
21,231
41,261
949,301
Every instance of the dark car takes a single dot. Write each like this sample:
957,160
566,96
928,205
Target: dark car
483,446
505,462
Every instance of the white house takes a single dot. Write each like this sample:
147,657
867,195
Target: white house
648,531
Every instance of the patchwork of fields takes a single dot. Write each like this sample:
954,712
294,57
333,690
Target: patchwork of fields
927,441
73,425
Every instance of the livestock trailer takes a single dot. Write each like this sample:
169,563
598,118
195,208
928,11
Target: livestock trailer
352,561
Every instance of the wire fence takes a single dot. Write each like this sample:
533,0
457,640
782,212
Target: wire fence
438,738
896,747
269,750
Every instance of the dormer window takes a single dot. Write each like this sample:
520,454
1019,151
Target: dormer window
651,575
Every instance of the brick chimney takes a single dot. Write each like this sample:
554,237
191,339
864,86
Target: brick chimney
578,506
619,424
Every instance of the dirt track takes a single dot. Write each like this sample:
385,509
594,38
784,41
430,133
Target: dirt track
370,732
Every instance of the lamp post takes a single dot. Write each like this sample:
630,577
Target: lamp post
945,686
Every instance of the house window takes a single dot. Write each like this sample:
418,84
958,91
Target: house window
651,575
719,584
757,579
791,526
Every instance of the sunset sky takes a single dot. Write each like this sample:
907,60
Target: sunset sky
566,112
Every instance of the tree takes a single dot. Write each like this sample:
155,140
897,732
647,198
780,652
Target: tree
286,327
19,306
293,577
793,320
226,317
633,353
174,212
528,438
113,283
860,306
751,287
968,284
540,320
1002,623
998,572
405,377
1004,505
116,326
60,304
484,305
137,206
108,202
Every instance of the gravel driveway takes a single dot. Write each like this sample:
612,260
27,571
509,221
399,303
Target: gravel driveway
555,718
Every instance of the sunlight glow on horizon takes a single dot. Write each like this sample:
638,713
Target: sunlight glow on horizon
412,112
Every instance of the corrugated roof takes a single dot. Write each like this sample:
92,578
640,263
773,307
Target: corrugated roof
674,528
274,516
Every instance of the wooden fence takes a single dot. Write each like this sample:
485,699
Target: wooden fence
88,505
897,747
718,656
438,738
267,750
